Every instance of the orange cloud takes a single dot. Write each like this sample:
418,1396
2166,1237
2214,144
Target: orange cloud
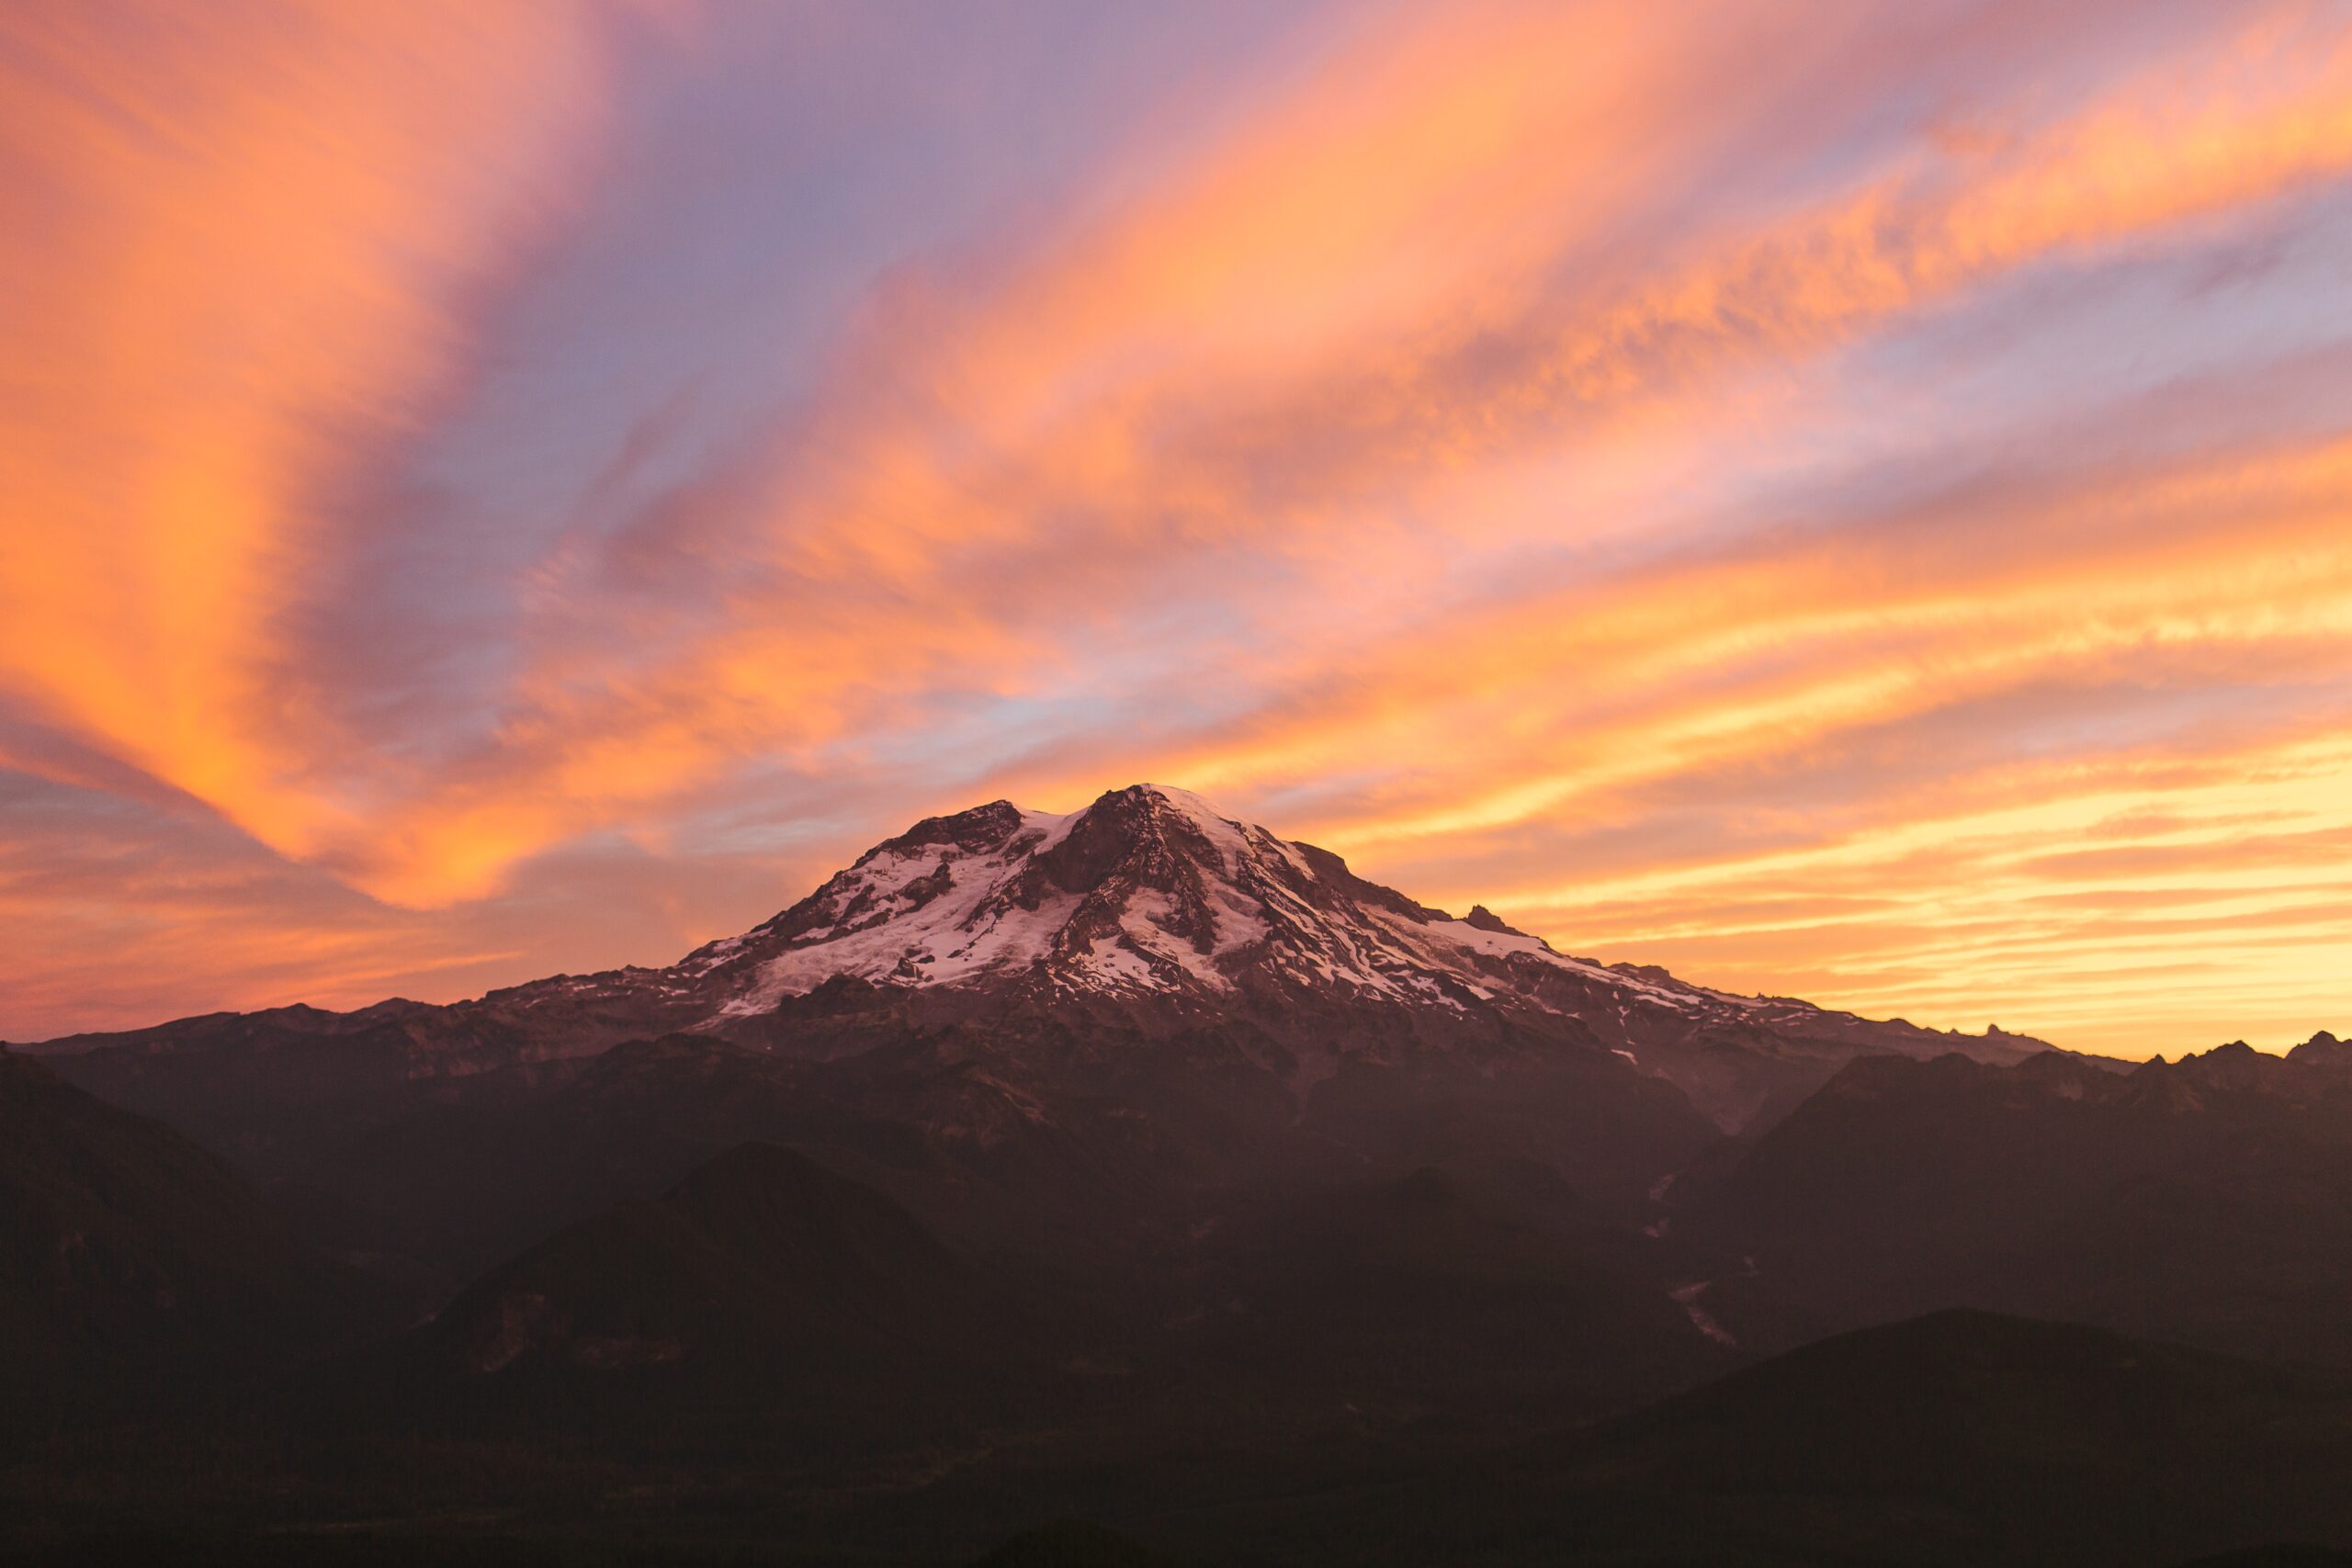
236,242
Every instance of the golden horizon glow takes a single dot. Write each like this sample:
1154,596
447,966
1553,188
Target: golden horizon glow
1860,511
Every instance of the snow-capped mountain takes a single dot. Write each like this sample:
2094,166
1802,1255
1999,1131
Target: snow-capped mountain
1153,904
1148,890
1148,913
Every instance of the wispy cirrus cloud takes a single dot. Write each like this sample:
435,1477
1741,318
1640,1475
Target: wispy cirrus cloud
239,242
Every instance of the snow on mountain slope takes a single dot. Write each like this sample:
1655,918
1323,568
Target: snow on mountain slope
1151,891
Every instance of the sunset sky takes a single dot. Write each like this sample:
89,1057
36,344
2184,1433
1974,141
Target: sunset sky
1852,500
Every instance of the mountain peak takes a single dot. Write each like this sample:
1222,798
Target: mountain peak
1148,889
1486,920
1153,906
2322,1049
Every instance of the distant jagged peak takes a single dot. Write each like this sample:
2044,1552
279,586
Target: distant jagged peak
2323,1049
